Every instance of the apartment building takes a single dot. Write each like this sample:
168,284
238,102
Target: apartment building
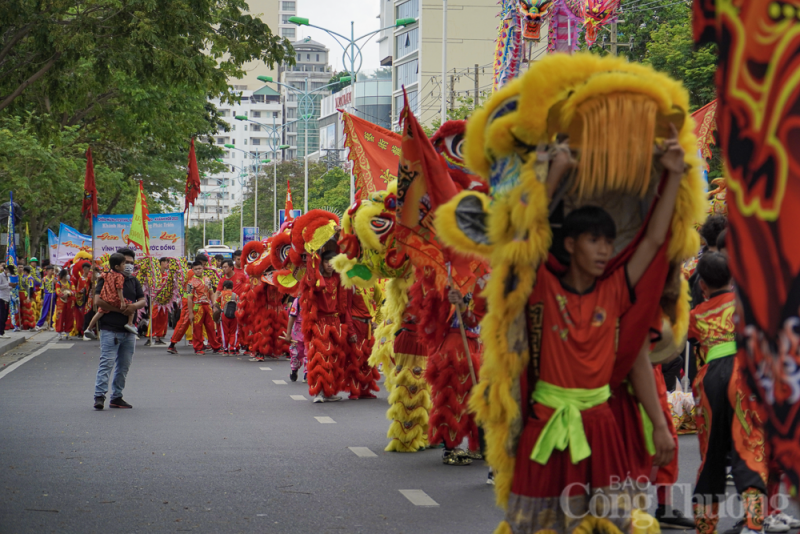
416,52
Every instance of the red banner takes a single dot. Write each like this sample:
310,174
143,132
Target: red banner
374,151
705,120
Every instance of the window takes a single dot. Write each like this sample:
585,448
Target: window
220,181
317,58
220,140
233,127
407,42
408,9
256,114
245,141
299,57
245,127
406,74
255,128
224,113
288,6
412,102
275,114
289,33
308,57
257,98
255,141
285,19
233,141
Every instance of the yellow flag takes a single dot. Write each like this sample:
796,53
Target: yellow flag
139,234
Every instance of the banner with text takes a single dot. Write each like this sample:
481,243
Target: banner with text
249,233
52,246
70,242
110,232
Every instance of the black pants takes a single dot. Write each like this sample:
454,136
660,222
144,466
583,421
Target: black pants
3,316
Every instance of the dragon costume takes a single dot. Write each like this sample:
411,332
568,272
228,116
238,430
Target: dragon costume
613,112
757,89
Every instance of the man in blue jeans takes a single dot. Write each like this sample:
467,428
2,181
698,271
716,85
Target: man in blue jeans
116,343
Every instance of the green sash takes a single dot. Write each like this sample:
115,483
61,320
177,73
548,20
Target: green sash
565,427
721,351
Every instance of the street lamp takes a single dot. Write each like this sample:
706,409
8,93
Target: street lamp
241,179
259,162
274,147
306,100
350,50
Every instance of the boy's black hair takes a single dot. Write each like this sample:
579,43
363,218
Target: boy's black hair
328,255
163,260
723,235
227,284
11,269
237,253
48,268
219,257
201,257
63,273
197,263
589,220
26,269
45,263
711,229
713,270
125,251
116,259
228,262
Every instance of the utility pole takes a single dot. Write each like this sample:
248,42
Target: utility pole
613,38
452,91
476,102
444,60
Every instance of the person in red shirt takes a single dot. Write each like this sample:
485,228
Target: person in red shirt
327,327
227,302
160,316
239,270
199,304
239,287
64,305
571,447
726,419
183,322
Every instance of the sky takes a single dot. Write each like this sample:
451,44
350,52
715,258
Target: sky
336,15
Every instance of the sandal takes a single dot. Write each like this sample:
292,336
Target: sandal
469,454
453,458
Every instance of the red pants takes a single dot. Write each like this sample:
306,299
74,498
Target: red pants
160,321
230,333
203,317
64,319
183,323
77,317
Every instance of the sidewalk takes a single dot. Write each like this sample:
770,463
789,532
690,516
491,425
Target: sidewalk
18,338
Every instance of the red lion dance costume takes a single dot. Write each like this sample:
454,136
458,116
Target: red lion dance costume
757,115
261,314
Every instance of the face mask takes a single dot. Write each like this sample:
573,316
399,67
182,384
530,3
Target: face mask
128,268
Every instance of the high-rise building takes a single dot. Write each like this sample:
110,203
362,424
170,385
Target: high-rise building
417,53
309,73
275,14
255,139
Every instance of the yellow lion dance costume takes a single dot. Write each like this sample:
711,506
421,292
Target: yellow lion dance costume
613,113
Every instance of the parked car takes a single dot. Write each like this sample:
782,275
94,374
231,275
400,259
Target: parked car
213,250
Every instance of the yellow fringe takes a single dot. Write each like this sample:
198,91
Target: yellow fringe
644,523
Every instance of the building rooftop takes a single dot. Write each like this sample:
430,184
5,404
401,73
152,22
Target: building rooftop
266,91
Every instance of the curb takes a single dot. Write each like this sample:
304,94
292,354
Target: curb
13,344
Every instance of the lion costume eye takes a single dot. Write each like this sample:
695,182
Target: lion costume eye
504,108
381,225
284,252
253,256
455,145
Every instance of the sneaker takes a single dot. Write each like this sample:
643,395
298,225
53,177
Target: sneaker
99,402
132,329
305,377
89,334
367,395
216,351
37,328
293,375
160,342
318,398
773,523
792,521
6,336
85,338
737,528
335,398
118,403
490,478
199,352
172,349
670,518
147,343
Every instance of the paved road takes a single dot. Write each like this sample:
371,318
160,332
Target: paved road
213,444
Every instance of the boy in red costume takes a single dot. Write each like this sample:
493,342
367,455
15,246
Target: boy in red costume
199,311
726,421
183,322
227,300
65,303
239,286
160,316
327,324
569,449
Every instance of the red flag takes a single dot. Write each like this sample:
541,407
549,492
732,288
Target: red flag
374,152
289,205
192,179
89,207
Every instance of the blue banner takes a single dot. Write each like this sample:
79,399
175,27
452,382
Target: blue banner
70,242
110,232
52,246
282,216
249,233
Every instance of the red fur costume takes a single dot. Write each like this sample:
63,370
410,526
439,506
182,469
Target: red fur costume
261,315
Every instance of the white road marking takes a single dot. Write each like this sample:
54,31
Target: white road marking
28,358
280,382
325,420
418,498
363,452
266,368
57,346
298,397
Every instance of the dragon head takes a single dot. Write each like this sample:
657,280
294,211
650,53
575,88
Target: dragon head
598,13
